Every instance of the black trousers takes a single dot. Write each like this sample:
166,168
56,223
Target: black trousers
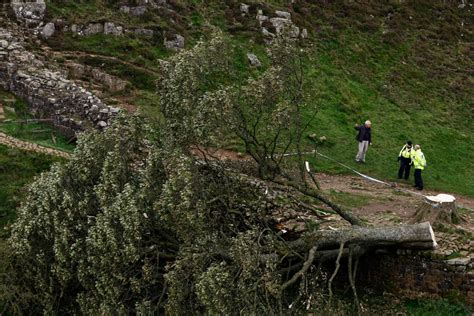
418,179
404,168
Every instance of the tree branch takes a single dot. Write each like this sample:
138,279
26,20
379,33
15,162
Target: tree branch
303,270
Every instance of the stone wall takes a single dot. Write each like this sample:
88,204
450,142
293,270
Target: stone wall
48,92
414,275
29,13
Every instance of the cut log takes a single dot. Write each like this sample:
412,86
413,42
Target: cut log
416,236
438,209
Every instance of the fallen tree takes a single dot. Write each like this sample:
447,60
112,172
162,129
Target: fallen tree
136,223
417,236
127,226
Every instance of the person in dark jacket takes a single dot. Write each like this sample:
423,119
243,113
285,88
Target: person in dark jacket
364,137
405,160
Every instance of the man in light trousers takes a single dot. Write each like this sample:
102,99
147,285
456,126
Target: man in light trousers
364,138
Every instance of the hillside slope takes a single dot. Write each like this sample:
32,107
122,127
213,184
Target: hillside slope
407,66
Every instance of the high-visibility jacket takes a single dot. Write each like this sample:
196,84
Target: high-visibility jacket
418,158
405,152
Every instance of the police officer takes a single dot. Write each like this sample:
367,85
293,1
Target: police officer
405,160
419,162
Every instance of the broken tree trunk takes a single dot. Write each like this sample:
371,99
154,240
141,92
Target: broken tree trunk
438,209
416,236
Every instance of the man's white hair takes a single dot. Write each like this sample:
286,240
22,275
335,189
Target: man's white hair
368,122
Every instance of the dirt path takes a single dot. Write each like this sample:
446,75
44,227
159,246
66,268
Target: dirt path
77,54
2,113
23,145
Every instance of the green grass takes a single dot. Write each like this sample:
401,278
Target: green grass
350,199
440,307
17,168
403,66
350,87
39,133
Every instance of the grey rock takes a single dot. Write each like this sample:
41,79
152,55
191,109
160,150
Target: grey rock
459,261
48,30
253,60
125,9
112,29
280,23
175,43
138,11
102,124
30,14
267,33
244,8
93,28
261,18
283,14
304,33
143,32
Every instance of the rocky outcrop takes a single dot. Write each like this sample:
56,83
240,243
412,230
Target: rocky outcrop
281,22
111,83
28,13
49,93
107,28
175,42
112,29
135,11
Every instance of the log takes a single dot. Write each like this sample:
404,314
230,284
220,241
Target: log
438,209
411,236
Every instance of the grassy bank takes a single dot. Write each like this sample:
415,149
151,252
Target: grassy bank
17,168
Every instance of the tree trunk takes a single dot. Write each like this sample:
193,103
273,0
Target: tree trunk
416,236
438,209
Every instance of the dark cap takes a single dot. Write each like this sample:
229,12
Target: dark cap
409,142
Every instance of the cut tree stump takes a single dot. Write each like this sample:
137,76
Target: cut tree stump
439,209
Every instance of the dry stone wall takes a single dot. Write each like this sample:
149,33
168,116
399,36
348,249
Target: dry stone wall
48,92
415,275
29,13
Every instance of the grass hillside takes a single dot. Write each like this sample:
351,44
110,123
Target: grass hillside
17,168
406,66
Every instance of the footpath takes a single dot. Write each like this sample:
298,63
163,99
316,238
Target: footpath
24,145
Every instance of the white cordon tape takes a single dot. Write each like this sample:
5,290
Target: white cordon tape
351,169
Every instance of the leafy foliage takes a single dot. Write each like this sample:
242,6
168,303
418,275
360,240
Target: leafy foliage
136,223
125,227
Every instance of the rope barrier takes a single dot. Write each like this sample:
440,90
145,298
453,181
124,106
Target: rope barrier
353,170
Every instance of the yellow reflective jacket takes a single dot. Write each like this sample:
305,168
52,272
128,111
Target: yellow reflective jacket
405,152
418,158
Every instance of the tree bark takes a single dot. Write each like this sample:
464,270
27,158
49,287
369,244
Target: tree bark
438,209
416,236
